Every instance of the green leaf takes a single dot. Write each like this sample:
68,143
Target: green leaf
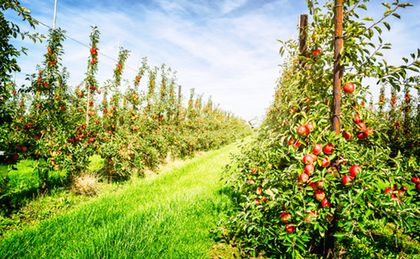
396,15
387,26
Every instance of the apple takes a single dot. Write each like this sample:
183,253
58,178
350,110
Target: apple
328,149
24,149
349,88
325,203
308,159
302,130
317,149
356,118
325,162
254,170
303,177
309,169
93,61
319,195
354,170
404,188
297,144
320,184
418,186
346,135
93,51
346,179
313,185
388,190
400,192
257,201
362,135
415,179
265,200
316,52
291,141
15,157
290,228
259,190
285,217
309,127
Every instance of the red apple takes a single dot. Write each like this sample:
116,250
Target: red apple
356,118
346,179
290,228
320,184
285,217
291,141
297,144
257,201
308,159
349,88
362,135
313,185
316,52
309,169
325,162
259,190
415,179
319,195
309,127
317,149
346,135
93,51
325,203
303,177
265,200
388,190
354,170
328,149
302,130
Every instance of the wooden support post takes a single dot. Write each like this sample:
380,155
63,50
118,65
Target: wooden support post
303,34
338,68
87,104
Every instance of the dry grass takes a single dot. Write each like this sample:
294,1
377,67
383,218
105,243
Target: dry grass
85,184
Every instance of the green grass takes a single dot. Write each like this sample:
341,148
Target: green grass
168,216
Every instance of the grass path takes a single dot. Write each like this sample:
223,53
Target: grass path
168,216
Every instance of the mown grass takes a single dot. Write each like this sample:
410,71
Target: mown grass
168,216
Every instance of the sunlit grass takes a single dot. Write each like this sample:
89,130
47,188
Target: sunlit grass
168,216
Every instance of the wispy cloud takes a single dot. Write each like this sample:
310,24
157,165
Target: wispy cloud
227,49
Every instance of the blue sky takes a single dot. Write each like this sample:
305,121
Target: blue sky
226,49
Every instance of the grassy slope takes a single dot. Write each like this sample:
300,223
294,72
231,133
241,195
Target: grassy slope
168,216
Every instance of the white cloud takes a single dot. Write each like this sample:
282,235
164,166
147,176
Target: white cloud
232,56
